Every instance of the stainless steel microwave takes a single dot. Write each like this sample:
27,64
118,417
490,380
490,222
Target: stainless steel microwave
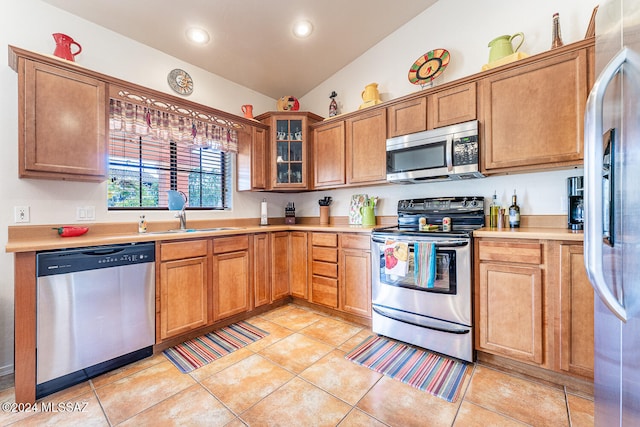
447,153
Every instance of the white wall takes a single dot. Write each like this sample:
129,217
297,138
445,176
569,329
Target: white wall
464,27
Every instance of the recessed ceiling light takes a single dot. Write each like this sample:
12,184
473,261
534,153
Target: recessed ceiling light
198,35
302,29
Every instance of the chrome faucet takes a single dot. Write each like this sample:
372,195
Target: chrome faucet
182,215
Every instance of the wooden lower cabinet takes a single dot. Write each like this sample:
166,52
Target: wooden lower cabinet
511,311
261,270
231,276
534,304
298,264
183,288
279,265
576,313
324,269
355,274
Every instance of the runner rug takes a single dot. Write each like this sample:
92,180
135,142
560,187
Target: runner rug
439,375
195,353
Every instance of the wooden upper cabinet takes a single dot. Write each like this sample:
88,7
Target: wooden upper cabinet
329,154
366,147
451,106
533,115
289,140
62,121
252,162
407,117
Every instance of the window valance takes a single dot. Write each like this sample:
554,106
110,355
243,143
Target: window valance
163,124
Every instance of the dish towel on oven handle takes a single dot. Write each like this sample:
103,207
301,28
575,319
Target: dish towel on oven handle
396,255
424,271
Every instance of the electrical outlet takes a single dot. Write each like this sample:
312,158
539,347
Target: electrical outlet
81,213
86,213
91,212
21,214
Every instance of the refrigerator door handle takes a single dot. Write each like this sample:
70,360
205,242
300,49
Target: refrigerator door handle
593,164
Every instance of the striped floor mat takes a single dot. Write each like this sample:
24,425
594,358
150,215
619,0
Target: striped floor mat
200,351
439,375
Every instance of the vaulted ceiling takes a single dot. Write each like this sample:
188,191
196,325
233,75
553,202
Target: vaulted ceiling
252,43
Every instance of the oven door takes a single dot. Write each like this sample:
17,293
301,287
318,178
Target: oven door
449,299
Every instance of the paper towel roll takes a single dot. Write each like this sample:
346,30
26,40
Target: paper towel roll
263,212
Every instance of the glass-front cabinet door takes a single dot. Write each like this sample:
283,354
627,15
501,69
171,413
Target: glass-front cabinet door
290,143
289,152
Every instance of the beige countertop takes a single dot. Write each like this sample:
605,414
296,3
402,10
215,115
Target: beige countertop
539,233
42,237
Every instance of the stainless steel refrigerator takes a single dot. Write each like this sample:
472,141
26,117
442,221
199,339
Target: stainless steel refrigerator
612,216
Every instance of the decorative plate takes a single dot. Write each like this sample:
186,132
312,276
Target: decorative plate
288,103
180,81
429,66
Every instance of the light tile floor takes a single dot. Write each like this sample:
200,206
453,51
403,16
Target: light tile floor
298,376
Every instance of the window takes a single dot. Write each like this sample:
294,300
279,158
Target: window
147,159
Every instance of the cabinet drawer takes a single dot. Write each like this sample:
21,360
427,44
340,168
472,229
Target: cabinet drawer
356,241
324,269
181,250
325,254
523,252
324,291
324,239
230,244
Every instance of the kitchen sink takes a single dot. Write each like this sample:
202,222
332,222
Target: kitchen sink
194,230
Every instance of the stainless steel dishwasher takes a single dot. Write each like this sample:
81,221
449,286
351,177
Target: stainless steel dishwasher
95,312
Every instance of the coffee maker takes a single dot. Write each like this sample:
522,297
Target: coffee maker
576,207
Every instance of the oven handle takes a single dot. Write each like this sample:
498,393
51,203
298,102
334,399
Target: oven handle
459,331
438,243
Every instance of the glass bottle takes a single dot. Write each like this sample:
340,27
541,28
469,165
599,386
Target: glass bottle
514,212
494,210
556,37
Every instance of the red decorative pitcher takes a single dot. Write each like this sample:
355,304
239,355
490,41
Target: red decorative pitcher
63,46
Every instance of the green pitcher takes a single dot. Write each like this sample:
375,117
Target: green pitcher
502,46
368,215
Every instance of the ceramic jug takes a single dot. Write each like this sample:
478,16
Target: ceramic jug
177,200
247,109
370,93
368,215
63,46
502,46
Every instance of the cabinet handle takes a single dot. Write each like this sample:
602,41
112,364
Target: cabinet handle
593,164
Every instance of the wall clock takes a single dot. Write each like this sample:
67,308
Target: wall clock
180,81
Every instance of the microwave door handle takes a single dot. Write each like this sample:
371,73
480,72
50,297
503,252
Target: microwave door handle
593,194
449,153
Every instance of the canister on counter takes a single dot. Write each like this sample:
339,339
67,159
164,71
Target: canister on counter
446,224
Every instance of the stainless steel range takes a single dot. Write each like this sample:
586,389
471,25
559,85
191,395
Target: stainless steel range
422,274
